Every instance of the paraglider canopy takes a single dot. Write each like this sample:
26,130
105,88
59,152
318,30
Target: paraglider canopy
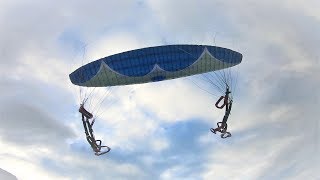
154,64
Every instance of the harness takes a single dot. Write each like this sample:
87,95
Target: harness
95,144
228,106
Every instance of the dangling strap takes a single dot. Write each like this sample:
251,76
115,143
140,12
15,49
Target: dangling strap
226,133
103,152
219,100
213,130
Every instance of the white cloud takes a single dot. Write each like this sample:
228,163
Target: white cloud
23,162
175,101
241,161
159,144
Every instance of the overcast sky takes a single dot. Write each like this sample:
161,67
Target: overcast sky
160,130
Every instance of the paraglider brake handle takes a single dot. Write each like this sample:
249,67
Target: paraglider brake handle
219,100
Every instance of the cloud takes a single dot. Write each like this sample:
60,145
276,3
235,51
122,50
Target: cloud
79,166
27,125
27,159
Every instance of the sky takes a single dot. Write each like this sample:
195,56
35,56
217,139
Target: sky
160,130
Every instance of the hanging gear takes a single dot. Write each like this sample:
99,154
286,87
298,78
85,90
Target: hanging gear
223,126
95,144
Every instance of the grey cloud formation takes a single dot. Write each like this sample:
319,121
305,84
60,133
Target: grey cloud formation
35,26
24,124
299,121
30,116
78,166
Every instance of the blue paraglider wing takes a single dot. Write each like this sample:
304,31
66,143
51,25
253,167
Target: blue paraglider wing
154,64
